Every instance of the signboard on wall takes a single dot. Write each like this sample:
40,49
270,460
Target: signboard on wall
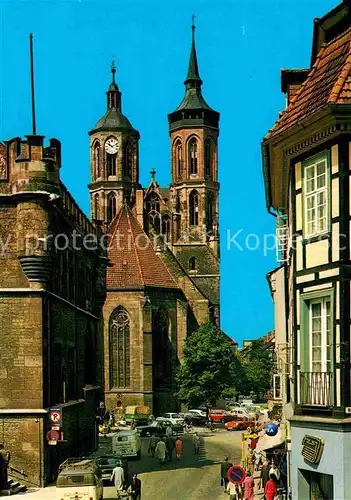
312,448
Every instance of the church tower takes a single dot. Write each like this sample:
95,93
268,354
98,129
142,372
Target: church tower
114,159
194,130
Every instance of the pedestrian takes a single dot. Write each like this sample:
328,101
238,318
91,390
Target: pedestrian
274,470
126,473
270,491
225,466
233,491
161,451
152,445
133,425
265,473
4,465
117,477
135,488
179,448
249,485
196,443
169,431
170,445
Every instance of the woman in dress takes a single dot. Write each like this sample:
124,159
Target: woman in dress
249,485
270,490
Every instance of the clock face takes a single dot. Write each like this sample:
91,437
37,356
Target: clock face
111,146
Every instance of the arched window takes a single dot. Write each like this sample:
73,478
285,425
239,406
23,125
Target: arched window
192,264
161,349
194,208
119,343
96,206
111,164
127,161
179,158
97,168
153,211
208,158
166,227
193,156
111,207
209,212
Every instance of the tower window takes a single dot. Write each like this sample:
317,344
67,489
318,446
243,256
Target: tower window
153,210
209,213
111,208
192,264
112,99
193,156
119,348
127,162
96,207
178,159
208,158
194,208
111,164
97,159
166,227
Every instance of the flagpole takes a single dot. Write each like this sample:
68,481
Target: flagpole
32,83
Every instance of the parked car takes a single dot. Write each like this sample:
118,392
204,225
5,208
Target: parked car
198,412
176,424
240,413
175,418
158,427
238,424
194,419
107,463
220,416
79,478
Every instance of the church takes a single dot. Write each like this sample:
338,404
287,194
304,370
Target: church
83,324
163,247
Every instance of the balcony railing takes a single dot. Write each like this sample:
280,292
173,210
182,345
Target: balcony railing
316,388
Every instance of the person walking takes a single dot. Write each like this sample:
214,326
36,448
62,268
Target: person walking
233,491
179,448
265,473
196,443
270,491
225,466
152,445
117,477
134,489
161,451
170,444
249,485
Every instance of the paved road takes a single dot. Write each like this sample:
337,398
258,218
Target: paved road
189,479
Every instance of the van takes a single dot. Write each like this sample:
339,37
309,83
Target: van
79,479
140,414
126,444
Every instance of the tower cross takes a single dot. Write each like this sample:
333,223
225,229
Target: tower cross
193,25
153,172
113,70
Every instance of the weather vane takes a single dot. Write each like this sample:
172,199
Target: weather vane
113,69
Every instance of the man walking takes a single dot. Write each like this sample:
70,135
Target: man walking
135,488
161,451
196,443
225,466
117,477
179,448
152,445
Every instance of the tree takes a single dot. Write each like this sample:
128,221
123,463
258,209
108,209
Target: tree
207,367
258,365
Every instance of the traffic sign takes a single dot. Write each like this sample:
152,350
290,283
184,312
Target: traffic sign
55,416
52,436
236,474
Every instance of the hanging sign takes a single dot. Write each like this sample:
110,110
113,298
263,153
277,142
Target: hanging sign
312,449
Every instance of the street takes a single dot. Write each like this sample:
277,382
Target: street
189,479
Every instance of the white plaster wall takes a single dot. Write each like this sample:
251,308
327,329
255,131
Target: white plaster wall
335,460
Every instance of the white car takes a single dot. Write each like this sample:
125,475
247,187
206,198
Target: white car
175,418
198,412
240,412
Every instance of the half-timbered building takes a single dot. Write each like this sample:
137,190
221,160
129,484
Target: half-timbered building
307,167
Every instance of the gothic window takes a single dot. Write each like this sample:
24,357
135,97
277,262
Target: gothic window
111,207
111,164
119,340
89,355
97,160
208,158
127,161
209,212
193,156
192,264
166,227
161,349
178,158
153,210
96,206
194,208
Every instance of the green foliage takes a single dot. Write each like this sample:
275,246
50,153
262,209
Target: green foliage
258,366
206,371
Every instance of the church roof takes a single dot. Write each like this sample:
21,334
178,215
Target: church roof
134,261
328,83
113,119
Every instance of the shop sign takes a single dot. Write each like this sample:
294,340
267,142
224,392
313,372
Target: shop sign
312,448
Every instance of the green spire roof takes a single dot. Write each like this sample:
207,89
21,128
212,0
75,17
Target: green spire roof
193,77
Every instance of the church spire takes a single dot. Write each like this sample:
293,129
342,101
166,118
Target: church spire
193,77
113,93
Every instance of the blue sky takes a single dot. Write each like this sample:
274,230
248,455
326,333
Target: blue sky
242,45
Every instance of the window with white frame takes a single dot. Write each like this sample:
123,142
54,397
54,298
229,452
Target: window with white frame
320,335
316,197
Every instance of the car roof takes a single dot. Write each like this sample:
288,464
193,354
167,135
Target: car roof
126,432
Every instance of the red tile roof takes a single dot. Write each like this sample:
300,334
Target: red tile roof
328,82
133,258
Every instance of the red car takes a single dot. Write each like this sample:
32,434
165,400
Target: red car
220,416
238,424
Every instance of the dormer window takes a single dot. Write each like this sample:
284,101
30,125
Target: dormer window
193,156
192,264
